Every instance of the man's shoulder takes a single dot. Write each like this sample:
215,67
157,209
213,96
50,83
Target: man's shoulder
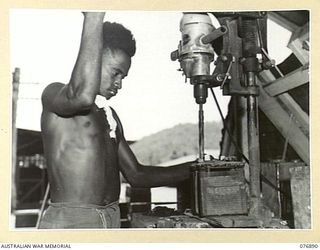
50,92
52,87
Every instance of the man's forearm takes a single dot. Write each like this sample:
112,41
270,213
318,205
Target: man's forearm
86,75
151,176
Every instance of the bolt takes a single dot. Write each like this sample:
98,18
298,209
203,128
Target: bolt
219,78
270,63
305,45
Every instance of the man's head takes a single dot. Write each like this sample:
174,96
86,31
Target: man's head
118,48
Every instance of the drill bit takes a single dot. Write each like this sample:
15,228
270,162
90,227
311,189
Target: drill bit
201,133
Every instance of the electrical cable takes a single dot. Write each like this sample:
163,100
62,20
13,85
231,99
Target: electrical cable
226,127
259,34
263,178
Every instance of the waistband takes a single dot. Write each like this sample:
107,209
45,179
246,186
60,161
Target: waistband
82,205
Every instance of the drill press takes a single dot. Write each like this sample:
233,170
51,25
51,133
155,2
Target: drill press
235,72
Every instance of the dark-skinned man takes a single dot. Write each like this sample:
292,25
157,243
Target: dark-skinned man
84,144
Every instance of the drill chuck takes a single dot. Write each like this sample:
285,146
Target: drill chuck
200,93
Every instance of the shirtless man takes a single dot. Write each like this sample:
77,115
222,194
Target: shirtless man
83,159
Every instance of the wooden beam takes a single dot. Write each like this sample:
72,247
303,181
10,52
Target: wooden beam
288,103
279,116
282,21
299,116
299,44
292,80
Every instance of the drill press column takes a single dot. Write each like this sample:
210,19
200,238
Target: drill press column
249,35
253,141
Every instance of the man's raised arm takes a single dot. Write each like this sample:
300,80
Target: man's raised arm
79,94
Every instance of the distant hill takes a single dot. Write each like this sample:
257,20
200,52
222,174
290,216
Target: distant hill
178,141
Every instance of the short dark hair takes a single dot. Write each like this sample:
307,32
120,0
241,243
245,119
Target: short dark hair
116,36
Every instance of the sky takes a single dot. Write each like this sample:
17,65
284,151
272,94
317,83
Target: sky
44,44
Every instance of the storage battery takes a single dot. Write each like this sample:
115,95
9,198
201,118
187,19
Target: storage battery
218,188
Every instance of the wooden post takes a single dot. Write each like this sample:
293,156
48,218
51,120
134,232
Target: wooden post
301,196
15,91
